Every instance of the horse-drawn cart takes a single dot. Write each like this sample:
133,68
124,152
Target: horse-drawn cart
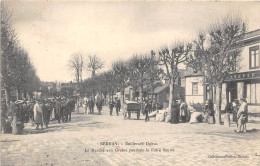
131,107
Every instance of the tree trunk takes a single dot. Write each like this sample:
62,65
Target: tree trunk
122,97
214,94
141,97
210,92
109,96
133,94
152,95
218,104
7,95
17,94
93,94
171,98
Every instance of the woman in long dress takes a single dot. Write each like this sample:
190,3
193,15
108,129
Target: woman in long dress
38,116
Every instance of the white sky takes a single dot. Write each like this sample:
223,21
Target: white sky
52,31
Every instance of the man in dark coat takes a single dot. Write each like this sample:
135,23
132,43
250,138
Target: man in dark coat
118,106
147,108
111,106
66,109
58,108
25,112
91,106
99,106
4,117
47,108
72,103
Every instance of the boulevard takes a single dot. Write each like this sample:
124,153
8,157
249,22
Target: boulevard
111,140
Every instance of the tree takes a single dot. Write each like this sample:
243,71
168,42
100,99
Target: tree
8,42
138,64
223,52
88,86
76,65
93,64
110,82
120,70
171,58
17,72
154,72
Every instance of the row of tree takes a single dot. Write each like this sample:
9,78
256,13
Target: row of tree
17,72
214,53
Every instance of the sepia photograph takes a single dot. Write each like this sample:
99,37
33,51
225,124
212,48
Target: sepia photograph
130,83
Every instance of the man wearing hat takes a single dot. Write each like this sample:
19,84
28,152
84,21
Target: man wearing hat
111,106
118,105
147,108
99,105
91,105
85,103
4,117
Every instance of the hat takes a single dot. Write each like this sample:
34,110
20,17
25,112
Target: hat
19,102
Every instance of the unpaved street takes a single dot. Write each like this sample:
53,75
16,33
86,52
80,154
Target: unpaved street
110,140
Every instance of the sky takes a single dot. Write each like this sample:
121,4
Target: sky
51,31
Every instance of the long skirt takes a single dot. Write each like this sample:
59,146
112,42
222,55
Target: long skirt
38,117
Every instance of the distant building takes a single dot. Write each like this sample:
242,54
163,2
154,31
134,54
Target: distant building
162,94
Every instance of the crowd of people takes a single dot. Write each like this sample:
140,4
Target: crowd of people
182,113
179,112
89,104
40,112
238,109
37,112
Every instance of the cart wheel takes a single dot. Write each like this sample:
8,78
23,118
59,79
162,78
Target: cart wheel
138,115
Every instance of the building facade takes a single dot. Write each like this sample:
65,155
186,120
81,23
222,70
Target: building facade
244,82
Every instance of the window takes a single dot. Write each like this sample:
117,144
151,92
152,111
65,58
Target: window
252,96
207,92
232,62
194,88
254,57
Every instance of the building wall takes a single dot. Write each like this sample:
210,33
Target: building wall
244,63
255,109
189,97
245,88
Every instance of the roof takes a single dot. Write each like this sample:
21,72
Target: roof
160,88
190,73
252,34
